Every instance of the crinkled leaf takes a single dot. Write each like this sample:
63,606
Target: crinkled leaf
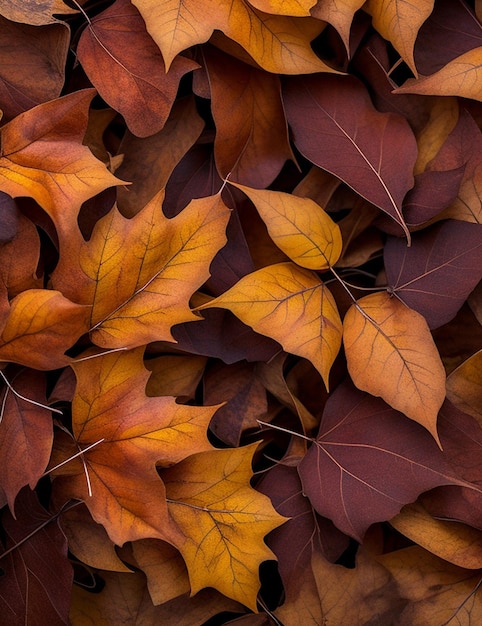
222,520
390,353
291,305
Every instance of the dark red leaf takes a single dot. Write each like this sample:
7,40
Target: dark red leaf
368,461
437,273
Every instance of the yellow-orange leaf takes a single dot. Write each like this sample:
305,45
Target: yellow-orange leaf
292,306
299,227
140,273
42,157
119,481
461,77
399,21
390,353
455,542
338,13
464,386
278,43
298,8
223,521
41,326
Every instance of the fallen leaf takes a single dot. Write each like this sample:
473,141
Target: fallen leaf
139,274
298,8
42,157
390,353
336,127
437,273
299,227
338,13
454,542
399,21
291,305
37,576
222,521
131,431
35,12
126,66
19,259
464,386
459,77
368,461
26,428
41,326
175,375
278,43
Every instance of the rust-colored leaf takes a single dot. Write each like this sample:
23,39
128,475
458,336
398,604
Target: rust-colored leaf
291,305
140,273
128,430
35,12
299,227
42,157
390,353
222,521
278,43
127,68
19,259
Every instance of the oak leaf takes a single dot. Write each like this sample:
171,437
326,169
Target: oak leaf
336,127
299,227
125,65
399,21
291,305
390,353
278,43
132,433
368,461
41,326
139,274
222,521
42,157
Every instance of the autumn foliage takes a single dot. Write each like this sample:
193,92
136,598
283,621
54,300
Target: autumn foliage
240,312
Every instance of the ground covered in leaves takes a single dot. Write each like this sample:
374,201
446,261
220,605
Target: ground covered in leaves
240,312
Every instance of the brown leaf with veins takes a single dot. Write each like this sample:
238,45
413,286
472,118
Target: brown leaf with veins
42,157
19,259
222,521
133,433
41,326
460,77
278,43
291,305
139,274
125,65
390,353
35,12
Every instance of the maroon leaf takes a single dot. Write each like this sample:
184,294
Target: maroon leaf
126,66
437,273
368,461
336,127
36,586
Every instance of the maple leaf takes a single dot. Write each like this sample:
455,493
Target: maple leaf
390,353
127,68
299,227
140,273
278,43
292,306
222,521
132,433
336,127
361,442
42,157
